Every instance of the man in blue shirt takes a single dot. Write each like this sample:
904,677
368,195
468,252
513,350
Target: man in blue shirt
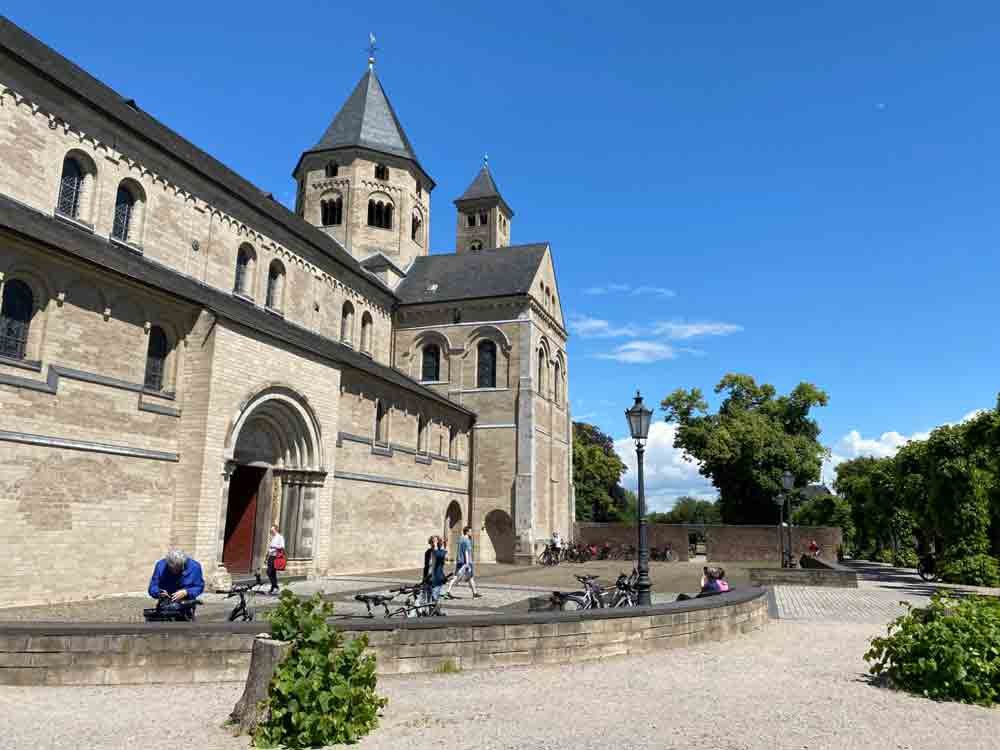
176,577
463,563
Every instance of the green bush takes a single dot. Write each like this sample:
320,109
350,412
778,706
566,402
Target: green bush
974,570
323,692
906,558
884,555
948,651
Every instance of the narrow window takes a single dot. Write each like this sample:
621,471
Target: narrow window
338,211
471,219
486,370
332,211
371,213
415,228
156,359
557,376
422,435
420,189
381,172
475,246
452,444
484,219
275,285
332,169
124,211
347,323
70,188
366,333
431,369
381,423
244,258
388,216
16,311
541,371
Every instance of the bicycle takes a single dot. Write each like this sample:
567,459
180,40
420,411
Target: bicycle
169,611
243,611
624,593
592,596
418,602
549,556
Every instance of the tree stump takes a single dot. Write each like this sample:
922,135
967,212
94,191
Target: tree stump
267,654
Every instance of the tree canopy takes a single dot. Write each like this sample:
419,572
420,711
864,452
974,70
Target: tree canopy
597,473
746,446
689,510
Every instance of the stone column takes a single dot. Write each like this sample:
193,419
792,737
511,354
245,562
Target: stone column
524,506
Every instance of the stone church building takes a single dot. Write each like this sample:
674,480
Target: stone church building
183,360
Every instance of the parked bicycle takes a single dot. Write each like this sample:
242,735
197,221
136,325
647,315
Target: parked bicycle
624,593
549,556
244,610
417,602
591,597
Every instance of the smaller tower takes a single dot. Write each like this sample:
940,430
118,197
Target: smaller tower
483,215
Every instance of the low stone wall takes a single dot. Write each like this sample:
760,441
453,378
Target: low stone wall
834,576
617,534
730,543
87,654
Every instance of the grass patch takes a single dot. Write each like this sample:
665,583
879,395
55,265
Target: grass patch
448,666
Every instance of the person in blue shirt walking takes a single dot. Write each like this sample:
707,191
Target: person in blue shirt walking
463,564
176,577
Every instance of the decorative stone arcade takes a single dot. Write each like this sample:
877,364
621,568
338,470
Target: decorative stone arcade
273,473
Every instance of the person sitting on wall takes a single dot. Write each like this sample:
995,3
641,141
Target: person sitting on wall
177,577
713,581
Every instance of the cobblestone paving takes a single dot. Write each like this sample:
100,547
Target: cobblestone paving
840,605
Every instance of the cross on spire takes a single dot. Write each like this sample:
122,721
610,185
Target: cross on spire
371,51
486,160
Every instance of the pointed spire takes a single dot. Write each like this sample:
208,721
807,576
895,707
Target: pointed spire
368,120
484,187
371,51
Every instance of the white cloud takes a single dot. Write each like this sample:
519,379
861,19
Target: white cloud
678,330
640,352
657,291
596,328
668,473
855,445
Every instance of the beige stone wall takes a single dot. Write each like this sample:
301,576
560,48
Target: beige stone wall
355,184
173,226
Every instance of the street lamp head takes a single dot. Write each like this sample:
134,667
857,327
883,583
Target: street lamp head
638,418
788,480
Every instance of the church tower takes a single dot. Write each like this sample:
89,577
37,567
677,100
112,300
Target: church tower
362,183
483,215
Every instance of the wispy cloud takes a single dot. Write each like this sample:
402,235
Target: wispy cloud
656,291
640,352
674,329
596,328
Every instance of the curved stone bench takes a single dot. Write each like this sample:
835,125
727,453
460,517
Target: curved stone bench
121,654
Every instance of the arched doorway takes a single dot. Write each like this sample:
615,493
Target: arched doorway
453,527
500,534
274,468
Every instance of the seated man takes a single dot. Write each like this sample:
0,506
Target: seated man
176,577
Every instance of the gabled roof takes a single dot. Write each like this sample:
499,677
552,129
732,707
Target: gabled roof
483,187
498,272
368,120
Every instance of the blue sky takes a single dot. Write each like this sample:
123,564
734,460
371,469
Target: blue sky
801,191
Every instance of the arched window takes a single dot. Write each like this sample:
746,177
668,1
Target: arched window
422,435
415,226
430,370
244,270
332,211
471,219
124,211
16,311
541,371
381,172
475,246
484,218
556,380
452,444
379,214
366,332
275,285
156,359
332,169
347,323
486,368
381,423
70,188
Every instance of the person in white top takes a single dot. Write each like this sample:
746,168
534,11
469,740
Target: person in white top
276,545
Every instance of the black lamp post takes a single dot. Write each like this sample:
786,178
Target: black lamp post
638,425
788,483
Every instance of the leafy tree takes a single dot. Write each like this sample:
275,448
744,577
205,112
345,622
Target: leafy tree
597,472
745,447
689,510
827,510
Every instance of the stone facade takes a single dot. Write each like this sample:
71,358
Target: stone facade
286,388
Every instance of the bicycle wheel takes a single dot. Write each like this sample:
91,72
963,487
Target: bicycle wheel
236,612
572,604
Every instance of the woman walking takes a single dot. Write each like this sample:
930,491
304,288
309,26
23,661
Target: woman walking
275,549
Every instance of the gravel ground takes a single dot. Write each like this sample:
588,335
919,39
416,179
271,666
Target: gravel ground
791,685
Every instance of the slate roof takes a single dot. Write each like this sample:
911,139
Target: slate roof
88,247
483,187
368,120
497,272
149,141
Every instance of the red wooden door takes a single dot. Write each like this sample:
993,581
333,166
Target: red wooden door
237,549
